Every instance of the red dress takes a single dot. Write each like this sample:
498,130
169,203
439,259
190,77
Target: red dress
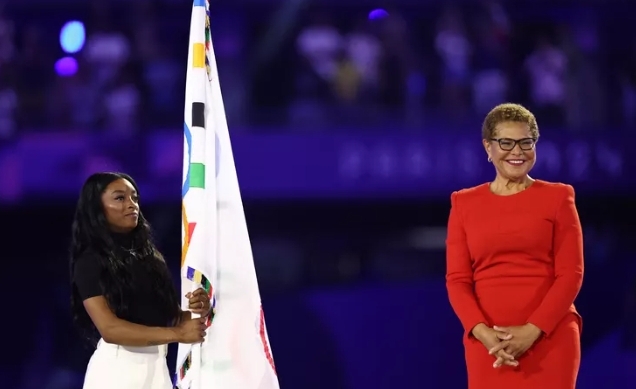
513,260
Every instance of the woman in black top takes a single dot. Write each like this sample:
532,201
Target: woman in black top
122,290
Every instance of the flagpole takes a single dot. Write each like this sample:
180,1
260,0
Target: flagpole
195,370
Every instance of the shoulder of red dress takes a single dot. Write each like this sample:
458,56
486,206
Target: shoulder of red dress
475,190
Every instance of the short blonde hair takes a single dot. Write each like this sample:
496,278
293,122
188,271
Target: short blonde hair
508,112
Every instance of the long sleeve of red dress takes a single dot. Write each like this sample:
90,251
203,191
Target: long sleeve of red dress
459,271
568,265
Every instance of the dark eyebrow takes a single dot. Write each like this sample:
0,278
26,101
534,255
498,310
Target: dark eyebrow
122,192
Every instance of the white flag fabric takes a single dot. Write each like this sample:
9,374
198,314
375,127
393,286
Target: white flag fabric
216,252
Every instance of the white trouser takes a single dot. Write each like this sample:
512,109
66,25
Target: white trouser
122,367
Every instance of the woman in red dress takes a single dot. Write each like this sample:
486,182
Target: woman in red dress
514,257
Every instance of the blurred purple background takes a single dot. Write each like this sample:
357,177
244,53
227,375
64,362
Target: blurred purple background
351,123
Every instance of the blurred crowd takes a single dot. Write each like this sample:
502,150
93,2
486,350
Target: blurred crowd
297,69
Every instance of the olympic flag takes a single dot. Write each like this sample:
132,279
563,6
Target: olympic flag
216,251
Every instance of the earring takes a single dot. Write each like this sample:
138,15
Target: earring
489,159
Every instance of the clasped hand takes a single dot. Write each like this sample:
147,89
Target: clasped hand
507,343
521,339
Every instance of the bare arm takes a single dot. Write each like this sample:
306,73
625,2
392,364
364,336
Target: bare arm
117,331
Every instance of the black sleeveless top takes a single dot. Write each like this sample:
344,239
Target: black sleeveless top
144,301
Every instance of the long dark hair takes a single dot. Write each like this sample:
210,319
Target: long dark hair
90,233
